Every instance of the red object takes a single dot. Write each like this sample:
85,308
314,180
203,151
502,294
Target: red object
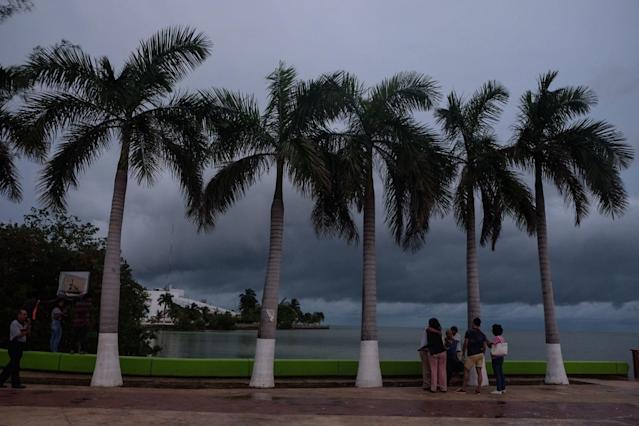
35,311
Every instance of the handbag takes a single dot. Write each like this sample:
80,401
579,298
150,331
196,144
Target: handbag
499,349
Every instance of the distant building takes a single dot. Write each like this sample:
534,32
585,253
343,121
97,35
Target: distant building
179,299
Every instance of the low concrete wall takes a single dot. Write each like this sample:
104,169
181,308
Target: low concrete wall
192,367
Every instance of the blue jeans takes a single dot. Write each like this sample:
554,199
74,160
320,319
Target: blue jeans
56,335
498,370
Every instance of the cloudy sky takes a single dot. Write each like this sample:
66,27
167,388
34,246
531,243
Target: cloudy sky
461,44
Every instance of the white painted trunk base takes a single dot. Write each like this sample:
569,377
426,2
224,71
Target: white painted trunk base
555,370
262,376
472,376
107,364
369,374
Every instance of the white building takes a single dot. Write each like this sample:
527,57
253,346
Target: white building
179,299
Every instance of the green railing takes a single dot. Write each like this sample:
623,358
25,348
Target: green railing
193,367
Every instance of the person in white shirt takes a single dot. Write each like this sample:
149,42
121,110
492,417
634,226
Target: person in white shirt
18,332
423,355
458,339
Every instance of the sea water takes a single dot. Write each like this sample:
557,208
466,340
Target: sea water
395,343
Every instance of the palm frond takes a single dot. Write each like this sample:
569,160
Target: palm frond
281,90
331,215
165,58
229,184
485,106
9,183
82,144
48,113
404,92
237,124
64,67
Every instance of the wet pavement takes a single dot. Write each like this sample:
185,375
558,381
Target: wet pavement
602,402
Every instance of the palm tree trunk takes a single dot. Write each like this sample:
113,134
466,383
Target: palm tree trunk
368,370
555,371
473,305
262,375
107,365
472,269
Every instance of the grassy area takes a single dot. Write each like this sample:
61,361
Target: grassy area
191,367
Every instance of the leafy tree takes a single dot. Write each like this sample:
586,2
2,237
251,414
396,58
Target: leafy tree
381,133
581,157
33,254
89,104
483,170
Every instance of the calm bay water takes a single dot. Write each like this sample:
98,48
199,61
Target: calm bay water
396,343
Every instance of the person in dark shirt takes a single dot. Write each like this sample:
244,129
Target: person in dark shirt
474,347
436,356
81,323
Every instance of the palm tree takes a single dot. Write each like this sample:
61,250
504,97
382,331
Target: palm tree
90,104
467,124
381,132
247,144
580,157
166,300
12,81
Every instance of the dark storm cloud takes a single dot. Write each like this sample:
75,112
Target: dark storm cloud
461,45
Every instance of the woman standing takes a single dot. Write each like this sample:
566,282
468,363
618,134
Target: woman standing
436,356
498,353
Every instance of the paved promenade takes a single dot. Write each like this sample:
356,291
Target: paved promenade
599,402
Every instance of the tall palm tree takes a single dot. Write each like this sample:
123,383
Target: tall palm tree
581,157
12,81
382,133
90,104
248,143
484,170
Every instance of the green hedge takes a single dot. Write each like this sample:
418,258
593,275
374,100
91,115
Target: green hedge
190,367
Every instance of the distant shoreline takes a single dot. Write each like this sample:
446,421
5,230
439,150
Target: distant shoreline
239,327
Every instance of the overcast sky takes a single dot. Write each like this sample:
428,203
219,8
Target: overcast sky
460,44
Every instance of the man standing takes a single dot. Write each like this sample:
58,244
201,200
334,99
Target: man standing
18,332
81,323
474,348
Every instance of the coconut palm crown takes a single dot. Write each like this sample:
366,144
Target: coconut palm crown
483,170
377,130
85,105
582,158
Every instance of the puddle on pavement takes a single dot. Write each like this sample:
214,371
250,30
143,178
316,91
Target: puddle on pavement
254,396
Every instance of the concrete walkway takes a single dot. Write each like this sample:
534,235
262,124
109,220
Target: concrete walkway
603,402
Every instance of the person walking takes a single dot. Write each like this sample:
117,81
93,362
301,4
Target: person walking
436,356
423,356
56,325
18,332
498,351
80,323
474,349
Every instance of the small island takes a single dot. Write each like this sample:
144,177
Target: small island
171,310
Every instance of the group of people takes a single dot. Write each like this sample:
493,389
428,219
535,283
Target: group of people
21,327
79,324
444,354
